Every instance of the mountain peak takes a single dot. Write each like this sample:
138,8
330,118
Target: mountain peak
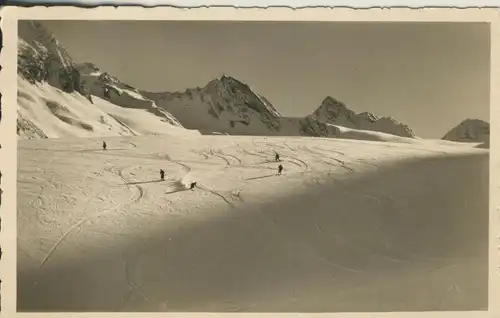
231,81
474,121
41,58
330,102
222,81
469,130
333,111
224,76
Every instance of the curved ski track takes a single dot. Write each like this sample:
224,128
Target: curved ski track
315,153
134,198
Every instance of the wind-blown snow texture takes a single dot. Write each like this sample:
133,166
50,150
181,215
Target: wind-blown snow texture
350,225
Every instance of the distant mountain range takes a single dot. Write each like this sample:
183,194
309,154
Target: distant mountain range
59,98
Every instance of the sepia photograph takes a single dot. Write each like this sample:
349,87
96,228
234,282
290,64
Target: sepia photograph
252,166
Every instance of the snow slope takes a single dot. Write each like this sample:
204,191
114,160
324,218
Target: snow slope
47,112
484,145
56,100
113,90
470,130
350,226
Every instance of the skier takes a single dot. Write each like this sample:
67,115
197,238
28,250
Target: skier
193,184
280,169
162,174
104,146
277,157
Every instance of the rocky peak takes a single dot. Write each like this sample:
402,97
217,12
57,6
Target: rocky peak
331,109
472,130
42,59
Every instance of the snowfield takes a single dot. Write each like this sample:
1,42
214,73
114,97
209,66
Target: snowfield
47,112
350,225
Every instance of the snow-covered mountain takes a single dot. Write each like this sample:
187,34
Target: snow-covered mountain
224,105
42,59
332,111
58,98
470,130
105,86
234,108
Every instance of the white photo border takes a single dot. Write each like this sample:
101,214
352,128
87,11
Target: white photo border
8,135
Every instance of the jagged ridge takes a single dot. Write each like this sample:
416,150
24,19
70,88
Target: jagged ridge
42,59
234,108
224,105
332,111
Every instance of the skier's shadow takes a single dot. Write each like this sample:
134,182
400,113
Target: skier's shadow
143,182
261,177
75,150
175,191
178,186
107,149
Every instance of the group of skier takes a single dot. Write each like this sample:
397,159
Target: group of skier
277,158
193,184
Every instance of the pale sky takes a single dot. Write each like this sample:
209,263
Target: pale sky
430,76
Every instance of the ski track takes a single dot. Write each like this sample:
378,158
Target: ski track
251,153
321,151
203,154
291,159
140,190
137,193
109,152
240,162
217,194
77,225
224,156
188,169
323,156
133,288
214,154
300,163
